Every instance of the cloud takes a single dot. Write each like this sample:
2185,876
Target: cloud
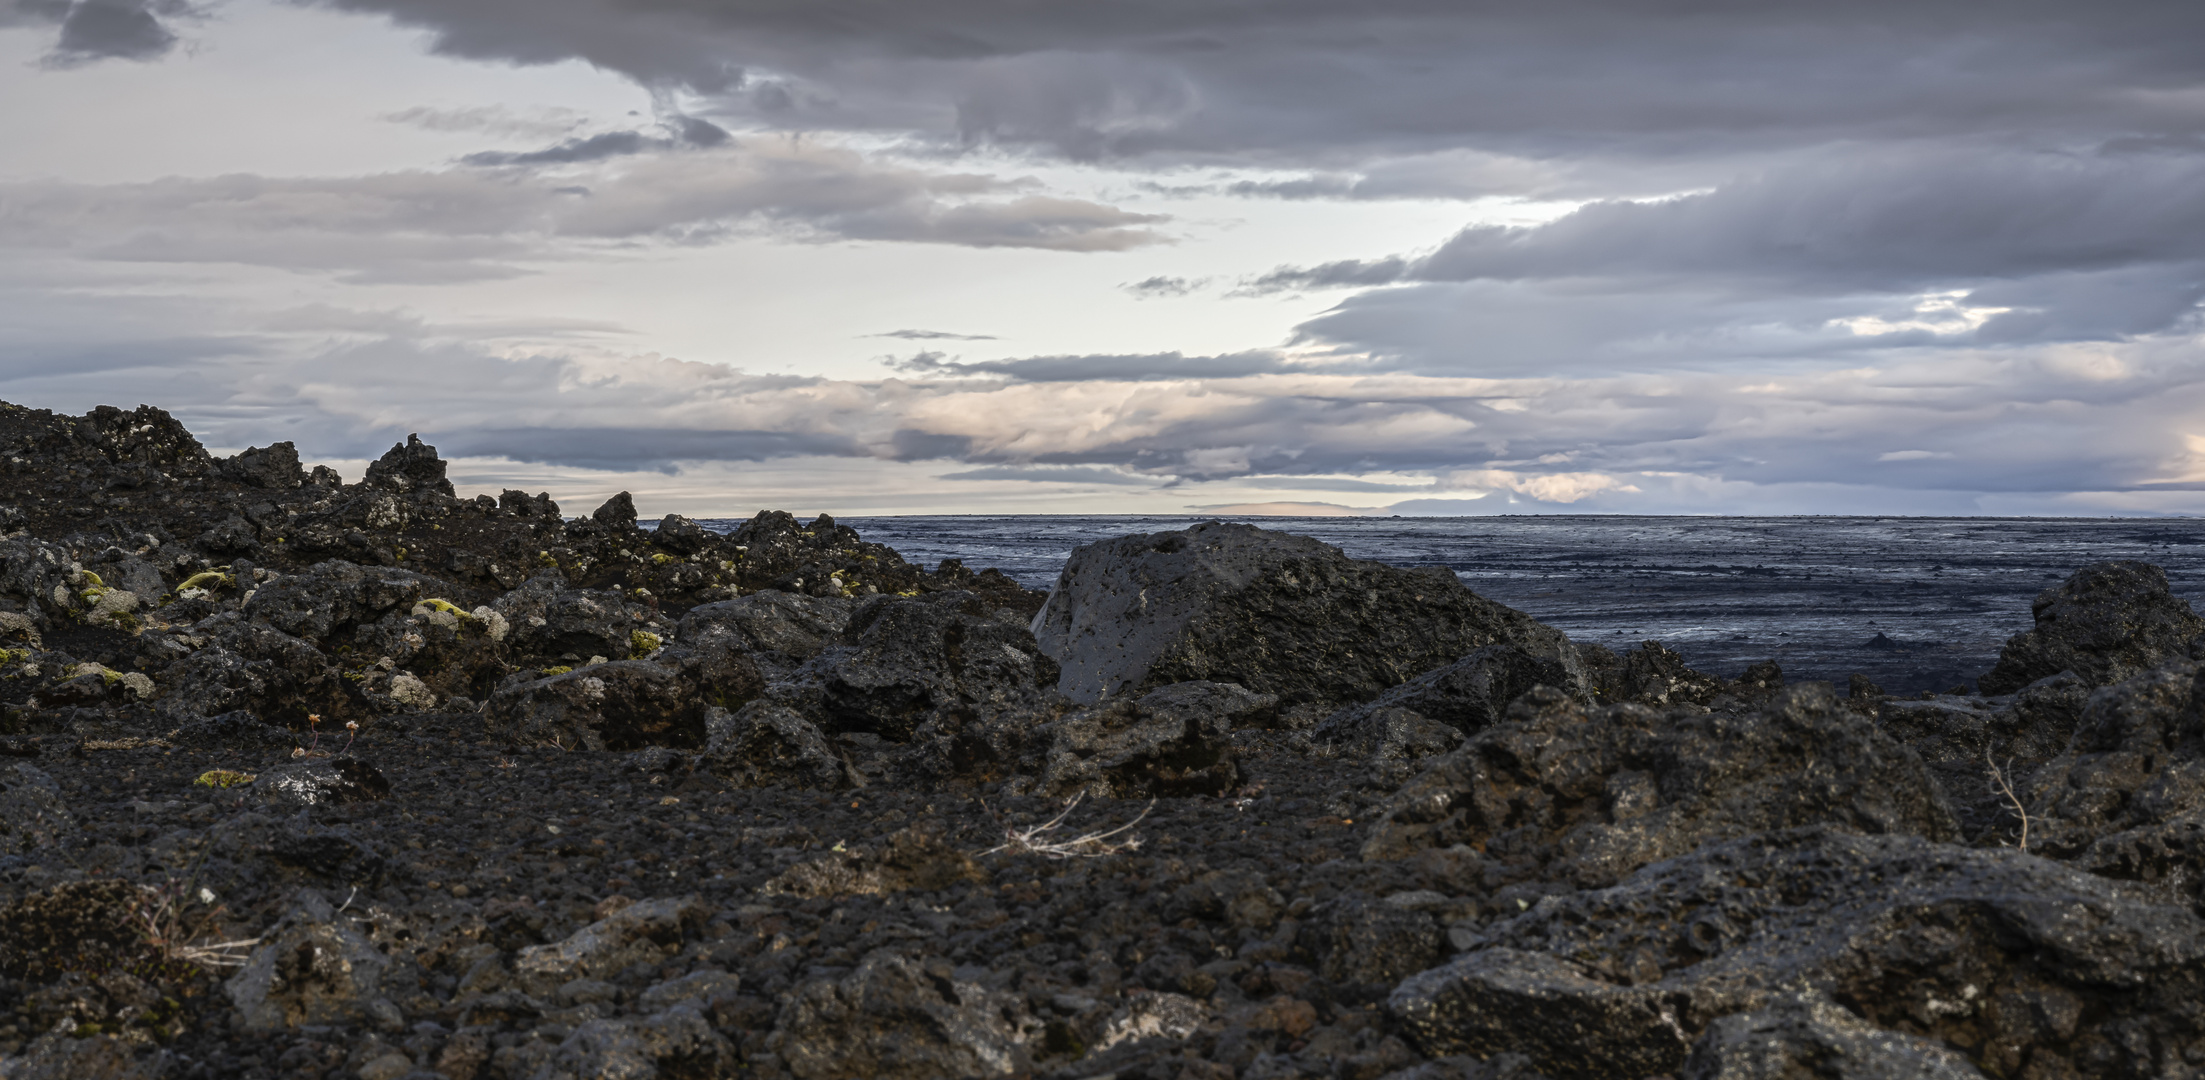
1286,509
94,30
933,335
1060,474
1078,368
490,119
573,151
1161,287
1203,80
682,131
469,224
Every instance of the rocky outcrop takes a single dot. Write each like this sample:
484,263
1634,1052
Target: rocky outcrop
620,705
2108,622
579,798
2021,963
1275,613
2127,797
1175,740
767,743
1467,695
1563,793
930,660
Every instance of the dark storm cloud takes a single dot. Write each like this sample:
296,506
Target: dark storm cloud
1835,253
1207,77
113,30
1078,368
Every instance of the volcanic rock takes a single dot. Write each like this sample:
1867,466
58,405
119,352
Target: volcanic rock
1565,793
2107,622
32,814
1467,695
1275,613
1995,951
647,930
896,1016
932,658
410,466
675,1042
766,742
313,967
780,630
321,782
1810,1035
1174,740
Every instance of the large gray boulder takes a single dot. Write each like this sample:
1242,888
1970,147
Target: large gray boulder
2108,622
1276,613
2033,967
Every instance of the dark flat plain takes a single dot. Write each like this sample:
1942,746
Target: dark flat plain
1808,592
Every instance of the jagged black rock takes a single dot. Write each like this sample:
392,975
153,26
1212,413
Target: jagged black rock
309,778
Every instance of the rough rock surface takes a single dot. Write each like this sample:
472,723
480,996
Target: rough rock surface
476,790
32,814
1565,793
1175,740
1275,613
2108,622
2017,962
895,1016
315,967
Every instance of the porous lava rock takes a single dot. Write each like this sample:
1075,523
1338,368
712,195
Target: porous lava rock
313,967
1810,1035
899,1016
2020,962
1566,793
1276,613
1467,695
2107,622
919,660
32,813
2127,797
1174,740
623,801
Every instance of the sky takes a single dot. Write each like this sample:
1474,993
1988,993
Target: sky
1146,256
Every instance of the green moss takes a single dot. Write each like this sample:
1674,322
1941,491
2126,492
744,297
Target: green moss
543,558
642,643
661,559
550,671
447,607
223,778
204,579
